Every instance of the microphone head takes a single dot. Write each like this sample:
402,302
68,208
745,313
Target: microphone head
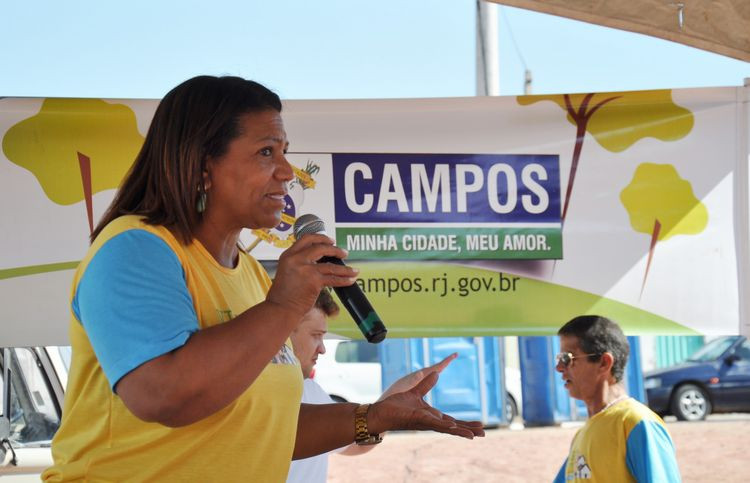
306,224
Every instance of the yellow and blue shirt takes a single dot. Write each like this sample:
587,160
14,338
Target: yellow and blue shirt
138,294
623,443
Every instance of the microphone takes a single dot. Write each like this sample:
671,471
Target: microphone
351,297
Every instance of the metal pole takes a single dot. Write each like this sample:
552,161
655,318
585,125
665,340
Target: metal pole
426,357
5,395
479,344
742,187
488,84
488,61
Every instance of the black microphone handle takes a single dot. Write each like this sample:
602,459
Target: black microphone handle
359,307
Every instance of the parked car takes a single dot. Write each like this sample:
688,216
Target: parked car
715,379
30,408
350,370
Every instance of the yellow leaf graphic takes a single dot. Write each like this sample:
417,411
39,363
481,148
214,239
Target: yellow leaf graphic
52,144
617,120
626,118
657,192
662,204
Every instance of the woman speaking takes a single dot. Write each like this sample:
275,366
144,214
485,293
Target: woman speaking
182,368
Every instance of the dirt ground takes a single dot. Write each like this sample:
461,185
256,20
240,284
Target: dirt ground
716,450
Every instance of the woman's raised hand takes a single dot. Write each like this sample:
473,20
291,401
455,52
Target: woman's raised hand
410,380
408,410
299,278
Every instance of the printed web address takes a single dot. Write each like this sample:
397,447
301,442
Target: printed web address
441,286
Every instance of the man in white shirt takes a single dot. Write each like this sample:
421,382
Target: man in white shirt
307,341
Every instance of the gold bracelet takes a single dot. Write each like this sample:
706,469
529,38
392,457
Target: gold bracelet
362,435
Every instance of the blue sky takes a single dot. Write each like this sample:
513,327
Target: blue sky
325,49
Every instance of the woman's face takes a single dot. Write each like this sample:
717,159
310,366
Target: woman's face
246,186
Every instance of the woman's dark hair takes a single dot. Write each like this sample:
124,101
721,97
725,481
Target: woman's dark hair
597,335
195,120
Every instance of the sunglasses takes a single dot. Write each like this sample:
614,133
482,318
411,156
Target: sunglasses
566,358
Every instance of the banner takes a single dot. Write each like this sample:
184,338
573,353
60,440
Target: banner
470,216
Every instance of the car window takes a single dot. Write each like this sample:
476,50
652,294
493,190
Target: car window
34,417
356,351
65,353
713,350
743,351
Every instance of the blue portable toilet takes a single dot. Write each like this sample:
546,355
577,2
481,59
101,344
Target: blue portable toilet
634,371
673,349
472,387
545,399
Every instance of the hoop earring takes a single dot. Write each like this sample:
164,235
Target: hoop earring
201,204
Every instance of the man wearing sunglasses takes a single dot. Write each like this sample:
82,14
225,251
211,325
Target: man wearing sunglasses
623,440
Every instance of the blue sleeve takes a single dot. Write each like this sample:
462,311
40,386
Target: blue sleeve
133,302
560,478
650,454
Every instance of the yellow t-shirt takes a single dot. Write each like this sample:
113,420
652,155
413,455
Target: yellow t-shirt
625,442
251,439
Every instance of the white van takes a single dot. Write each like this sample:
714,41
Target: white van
349,371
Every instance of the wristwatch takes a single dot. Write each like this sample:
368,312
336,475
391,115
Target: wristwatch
362,435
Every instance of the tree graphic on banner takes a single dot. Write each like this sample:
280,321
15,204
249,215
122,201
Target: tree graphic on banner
617,121
75,148
662,205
